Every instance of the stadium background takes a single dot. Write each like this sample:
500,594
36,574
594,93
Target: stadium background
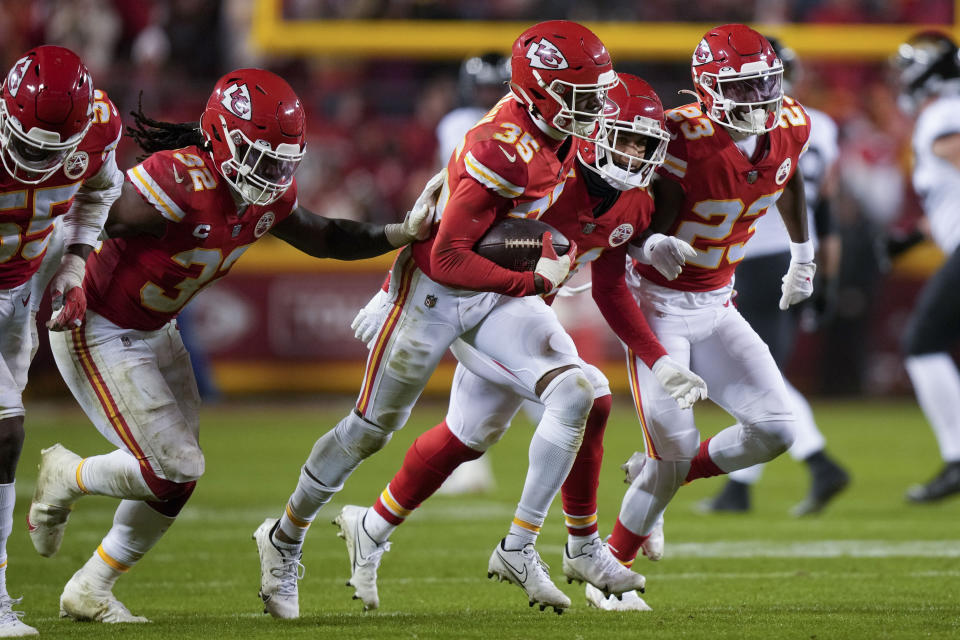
376,76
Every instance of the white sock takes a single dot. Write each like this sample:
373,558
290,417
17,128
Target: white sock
137,527
575,543
8,497
548,467
808,438
115,474
377,527
937,384
101,572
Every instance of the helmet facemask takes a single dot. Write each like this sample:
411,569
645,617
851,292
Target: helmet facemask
583,107
748,100
259,173
628,153
33,156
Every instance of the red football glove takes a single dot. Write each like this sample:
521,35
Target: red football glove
551,268
72,306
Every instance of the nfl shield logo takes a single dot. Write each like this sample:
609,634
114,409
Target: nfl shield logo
430,302
752,176
588,228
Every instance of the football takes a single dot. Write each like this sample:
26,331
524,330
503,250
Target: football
515,243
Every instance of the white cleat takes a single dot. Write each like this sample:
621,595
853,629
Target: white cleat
634,466
279,574
629,601
365,555
653,546
594,564
53,498
11,626
83,602
524,568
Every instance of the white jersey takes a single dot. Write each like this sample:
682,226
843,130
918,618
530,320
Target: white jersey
937,181
453,127
771,235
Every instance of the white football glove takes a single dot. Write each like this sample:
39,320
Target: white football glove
68,300
551,268
634,466
366,325
797,283
683,385
419,220
666,254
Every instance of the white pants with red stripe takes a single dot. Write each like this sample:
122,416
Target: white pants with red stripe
705,332
138,389
521,336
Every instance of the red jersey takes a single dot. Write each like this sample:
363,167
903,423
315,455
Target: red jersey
506,155
726,193
602,229
27,211
141,282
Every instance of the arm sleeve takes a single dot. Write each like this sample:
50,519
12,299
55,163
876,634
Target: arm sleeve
84,221
469,213
619,309
334,238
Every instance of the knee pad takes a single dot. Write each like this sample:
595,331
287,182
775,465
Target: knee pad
359,438
601,386
183,464
566,402
661,478
775,436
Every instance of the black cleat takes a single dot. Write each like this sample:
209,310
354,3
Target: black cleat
829,479
733,498
946,483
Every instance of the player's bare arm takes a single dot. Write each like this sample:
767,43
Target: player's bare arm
798,281
131,215
667,254
793,209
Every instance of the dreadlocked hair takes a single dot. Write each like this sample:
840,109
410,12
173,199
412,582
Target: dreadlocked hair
154,135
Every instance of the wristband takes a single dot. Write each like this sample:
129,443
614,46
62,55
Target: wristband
801,251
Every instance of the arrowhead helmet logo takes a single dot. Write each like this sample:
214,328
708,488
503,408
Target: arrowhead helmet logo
236,99
543,54
16,75
703,54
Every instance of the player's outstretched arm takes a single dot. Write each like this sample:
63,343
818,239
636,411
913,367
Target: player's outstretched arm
131,215
798,281
335,238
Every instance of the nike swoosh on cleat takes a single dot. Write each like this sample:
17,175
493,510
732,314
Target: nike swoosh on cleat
521,575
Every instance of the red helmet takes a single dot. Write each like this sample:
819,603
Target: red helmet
616,155
561,71
254,123
737,76
46,110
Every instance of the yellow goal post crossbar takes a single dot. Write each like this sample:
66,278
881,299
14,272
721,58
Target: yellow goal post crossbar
656,41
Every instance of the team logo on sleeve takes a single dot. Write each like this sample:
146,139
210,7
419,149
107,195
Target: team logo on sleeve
76,164
784,171
15,77
544,55
236,99
621,234
703,54
263,224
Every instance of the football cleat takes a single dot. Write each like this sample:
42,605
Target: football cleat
53,498
593,563
11,626
628,601
733,498
279,573
82,601
365,555
653,546
946,483
634,466
524,568
828,482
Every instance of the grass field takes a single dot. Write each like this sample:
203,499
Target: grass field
870,567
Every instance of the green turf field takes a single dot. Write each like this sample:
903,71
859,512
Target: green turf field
870,567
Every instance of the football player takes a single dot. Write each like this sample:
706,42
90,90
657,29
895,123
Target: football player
185,216
733,153
603,206
58,136
513,163
758,285
929,78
